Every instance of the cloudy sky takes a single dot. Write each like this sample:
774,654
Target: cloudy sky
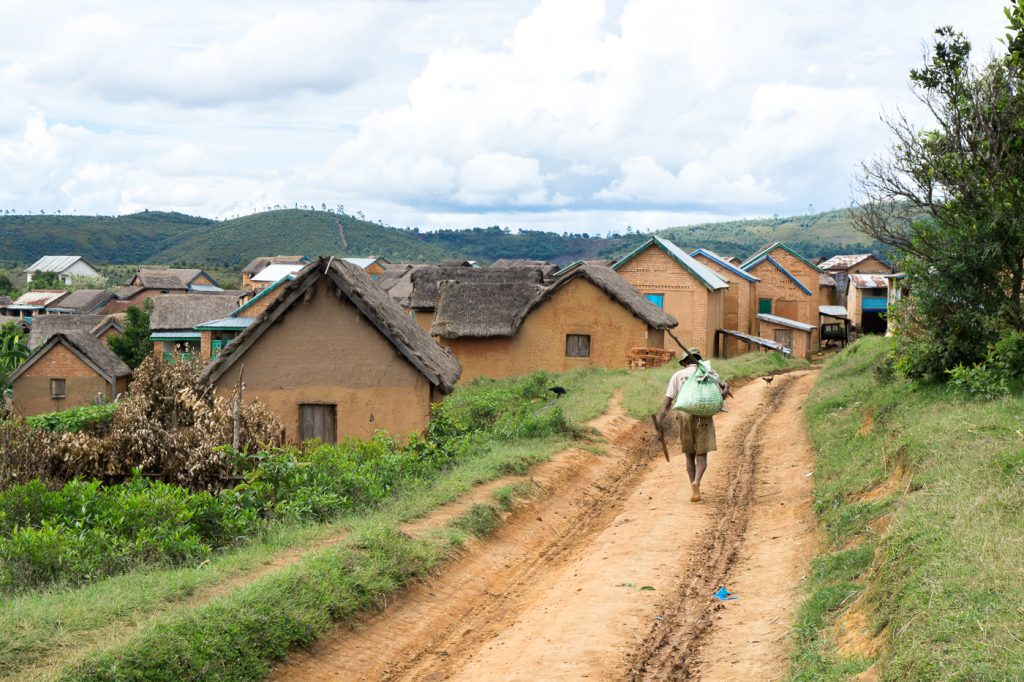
579,115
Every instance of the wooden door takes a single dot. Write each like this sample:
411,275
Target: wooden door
318,421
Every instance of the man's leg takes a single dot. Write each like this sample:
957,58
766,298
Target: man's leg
700,466
691,467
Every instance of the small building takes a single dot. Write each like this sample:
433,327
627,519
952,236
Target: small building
685,288
373,266
258,264
66,268
790,333
35,302
867,300
739,303
590,316
174,318
71,369
334,356
790,285
841,267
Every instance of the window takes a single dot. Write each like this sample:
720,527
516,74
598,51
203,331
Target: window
764,306
58,388
785,337
577,345
318,421
656,299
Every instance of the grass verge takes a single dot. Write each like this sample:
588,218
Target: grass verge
920,493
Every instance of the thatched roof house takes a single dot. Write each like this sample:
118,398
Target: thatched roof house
85,301
589,316
174,317
334,355
46,326
71,369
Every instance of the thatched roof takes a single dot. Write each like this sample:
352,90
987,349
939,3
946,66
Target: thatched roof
45,326
185,311
497,309
436,363
166,278
85,301
482,309
91,350
424,280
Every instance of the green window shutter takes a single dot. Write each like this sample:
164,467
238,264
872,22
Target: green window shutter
764,306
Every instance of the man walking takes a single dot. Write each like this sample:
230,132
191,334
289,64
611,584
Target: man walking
696,434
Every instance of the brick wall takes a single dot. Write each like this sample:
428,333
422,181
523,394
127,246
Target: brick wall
698,310
32,388
737,306
257,308
787,296
800,340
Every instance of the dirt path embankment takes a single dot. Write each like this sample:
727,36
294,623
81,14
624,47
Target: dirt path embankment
608,572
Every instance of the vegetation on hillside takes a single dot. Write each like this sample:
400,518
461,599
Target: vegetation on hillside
920,493
183,241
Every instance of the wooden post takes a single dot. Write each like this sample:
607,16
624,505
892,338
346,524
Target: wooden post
236,417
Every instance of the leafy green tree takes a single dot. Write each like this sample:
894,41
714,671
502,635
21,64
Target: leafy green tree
950,200
13,351
7,287
88,282
133,346
46,280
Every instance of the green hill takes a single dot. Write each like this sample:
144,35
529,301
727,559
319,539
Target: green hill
175,238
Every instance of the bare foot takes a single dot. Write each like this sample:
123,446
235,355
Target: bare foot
695,494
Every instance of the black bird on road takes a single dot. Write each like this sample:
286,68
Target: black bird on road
768,380
558,391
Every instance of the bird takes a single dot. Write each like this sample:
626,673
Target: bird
558,391
768,380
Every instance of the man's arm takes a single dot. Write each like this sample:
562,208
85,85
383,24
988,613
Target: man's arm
665,404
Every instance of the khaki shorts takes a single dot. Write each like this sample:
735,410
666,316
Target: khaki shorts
696,434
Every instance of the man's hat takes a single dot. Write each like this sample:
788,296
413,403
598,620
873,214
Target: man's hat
690,353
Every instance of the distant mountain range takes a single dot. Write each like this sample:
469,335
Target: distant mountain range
178,239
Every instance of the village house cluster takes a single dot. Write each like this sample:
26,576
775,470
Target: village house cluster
341,347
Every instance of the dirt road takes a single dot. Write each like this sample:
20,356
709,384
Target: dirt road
608,574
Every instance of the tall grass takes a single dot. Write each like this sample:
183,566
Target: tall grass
939,557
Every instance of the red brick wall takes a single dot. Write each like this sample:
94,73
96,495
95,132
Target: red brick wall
698,310
738,306
775,285
32,388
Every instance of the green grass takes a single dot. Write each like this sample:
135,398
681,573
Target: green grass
942,579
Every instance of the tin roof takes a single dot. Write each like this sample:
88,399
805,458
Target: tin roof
54,264
865,281
226,323
277,271
40,297
786,322
833,311
175,336
844,262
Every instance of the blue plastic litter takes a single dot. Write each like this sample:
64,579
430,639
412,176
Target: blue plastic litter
723,594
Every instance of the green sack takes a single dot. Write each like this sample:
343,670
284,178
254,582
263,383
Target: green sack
700,395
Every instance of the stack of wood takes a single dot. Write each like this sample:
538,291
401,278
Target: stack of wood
649,358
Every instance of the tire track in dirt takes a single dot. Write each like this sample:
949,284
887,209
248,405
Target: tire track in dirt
556,593
674,649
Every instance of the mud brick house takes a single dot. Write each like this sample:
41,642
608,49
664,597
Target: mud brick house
174,318
153,282
685,288
740,299
71,369
259,264
790,287
332,356
588,317
215,335
792,334
423,297
841,267
66,268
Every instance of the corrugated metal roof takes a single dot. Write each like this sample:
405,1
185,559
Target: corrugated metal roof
227,323
785,322
844,262
863,281
277,271
833,311
53,264
204,288
40,297
175,336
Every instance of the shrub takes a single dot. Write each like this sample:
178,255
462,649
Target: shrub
85,418
996,375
